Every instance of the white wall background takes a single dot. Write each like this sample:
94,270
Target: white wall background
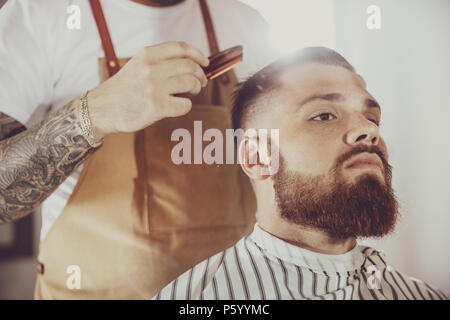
298,23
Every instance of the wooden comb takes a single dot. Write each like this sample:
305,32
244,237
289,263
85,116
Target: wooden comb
223,61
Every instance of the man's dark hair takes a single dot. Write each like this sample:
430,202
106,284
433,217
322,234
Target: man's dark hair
267,78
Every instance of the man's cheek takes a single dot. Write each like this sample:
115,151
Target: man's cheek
310,161
308,152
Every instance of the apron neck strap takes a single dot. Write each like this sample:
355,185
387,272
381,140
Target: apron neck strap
211,34
112,63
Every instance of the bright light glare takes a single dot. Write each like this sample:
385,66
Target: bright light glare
297,23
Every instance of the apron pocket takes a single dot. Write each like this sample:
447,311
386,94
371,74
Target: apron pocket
187,195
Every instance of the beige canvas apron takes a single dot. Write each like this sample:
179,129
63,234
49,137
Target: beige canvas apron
135,220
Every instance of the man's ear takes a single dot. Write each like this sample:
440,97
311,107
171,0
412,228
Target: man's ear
253,161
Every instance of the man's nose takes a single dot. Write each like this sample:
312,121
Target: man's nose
363,131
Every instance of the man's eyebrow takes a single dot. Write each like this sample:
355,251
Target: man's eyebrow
337,97
333,97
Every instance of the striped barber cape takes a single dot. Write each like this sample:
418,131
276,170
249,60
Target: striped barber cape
261,266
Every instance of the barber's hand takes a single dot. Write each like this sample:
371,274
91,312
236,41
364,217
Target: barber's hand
152,86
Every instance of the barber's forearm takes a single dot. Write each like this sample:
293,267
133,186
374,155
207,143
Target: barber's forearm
35,162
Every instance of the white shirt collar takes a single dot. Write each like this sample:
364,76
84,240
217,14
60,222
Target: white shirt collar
350,262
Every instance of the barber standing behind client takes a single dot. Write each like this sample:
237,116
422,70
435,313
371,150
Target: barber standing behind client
116,206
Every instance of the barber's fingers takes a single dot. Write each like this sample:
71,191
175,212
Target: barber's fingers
173,50
183,84
175,67
178,106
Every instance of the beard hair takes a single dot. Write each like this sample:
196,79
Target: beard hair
365,208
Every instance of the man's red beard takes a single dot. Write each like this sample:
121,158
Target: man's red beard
364,208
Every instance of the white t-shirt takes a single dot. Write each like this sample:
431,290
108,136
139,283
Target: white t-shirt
44,64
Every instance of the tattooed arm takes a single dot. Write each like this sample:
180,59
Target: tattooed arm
34,162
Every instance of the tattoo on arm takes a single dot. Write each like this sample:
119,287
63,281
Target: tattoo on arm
34,162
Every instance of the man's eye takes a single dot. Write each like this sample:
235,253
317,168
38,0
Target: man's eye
324,117
377,123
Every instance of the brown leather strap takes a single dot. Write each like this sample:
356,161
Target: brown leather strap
112,63
211,34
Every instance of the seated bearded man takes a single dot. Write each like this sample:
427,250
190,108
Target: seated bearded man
332,186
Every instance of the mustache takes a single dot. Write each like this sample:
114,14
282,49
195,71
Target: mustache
365,148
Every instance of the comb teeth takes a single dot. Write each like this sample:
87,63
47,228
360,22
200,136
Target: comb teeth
231,52
223,61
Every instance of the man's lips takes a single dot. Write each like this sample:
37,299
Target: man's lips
365,160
